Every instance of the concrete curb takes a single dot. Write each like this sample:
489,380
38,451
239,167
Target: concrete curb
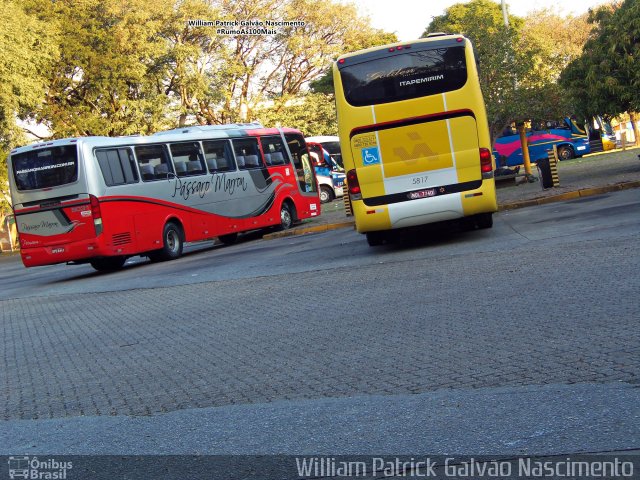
584,192
310,229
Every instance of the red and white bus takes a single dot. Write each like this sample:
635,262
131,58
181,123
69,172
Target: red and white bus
100,200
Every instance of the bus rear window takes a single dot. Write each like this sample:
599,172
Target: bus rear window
45,168
415,73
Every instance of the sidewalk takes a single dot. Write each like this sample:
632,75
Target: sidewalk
581,177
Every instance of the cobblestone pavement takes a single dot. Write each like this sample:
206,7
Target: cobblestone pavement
524,318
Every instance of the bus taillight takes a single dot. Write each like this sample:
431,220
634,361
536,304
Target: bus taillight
96,213
354,185
485,160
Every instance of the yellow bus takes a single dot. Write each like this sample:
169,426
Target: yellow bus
414,135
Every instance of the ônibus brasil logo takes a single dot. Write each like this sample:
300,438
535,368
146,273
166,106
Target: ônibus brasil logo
36,469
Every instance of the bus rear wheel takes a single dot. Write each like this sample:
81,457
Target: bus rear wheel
108,264
565,153
375,239
484,220
172,244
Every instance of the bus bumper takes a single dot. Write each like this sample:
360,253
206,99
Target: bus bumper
425,210
73,251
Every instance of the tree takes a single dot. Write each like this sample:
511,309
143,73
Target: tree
27,49
253,71
313,114
515,69
605,79
554,41
104,82
188,69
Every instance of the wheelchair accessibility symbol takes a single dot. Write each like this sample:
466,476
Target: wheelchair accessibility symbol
370,156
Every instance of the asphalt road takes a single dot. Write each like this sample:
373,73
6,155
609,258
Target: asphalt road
494,340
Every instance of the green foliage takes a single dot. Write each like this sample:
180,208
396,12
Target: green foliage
605,79
189,68
519,65
27,49
313,114
254,70
553,42
500,64
104,83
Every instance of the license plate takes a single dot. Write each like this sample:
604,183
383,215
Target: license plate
57,250
429,192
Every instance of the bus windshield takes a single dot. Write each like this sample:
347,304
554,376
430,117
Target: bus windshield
46,168
409,74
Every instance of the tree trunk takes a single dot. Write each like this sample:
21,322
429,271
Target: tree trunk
634,125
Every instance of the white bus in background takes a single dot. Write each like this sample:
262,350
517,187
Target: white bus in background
331,143
325,153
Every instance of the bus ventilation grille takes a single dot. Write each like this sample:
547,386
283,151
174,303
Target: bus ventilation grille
121,239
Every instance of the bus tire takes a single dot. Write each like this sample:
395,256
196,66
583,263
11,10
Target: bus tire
286,217
484,220
565,153
326,194
108,264
375,239
172,244
229,239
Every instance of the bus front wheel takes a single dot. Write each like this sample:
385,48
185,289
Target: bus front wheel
286,217
108,264
172,244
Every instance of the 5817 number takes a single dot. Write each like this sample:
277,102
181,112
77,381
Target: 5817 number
420,180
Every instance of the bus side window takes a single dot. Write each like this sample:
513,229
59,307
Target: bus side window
153,158
301,161
117,166
218,156
187,158
274,151
247,153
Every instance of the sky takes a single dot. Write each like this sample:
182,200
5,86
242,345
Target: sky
409,18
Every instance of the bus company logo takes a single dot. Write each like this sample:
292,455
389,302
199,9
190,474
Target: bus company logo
415,81
29,243
217,183
420,150
35,469
43,225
